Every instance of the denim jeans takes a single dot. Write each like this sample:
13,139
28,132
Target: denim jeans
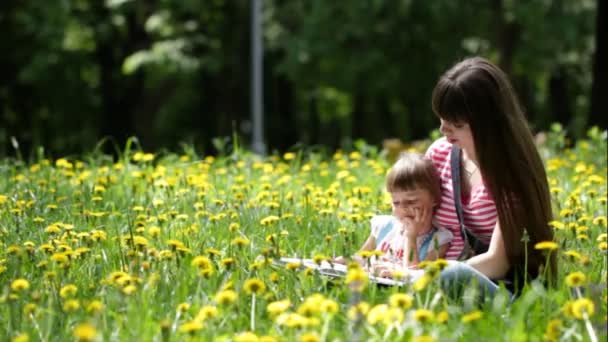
457,276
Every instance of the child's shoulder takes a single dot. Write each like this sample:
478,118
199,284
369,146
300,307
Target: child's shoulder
380,221
443,235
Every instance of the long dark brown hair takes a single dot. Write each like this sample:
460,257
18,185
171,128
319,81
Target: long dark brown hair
477,92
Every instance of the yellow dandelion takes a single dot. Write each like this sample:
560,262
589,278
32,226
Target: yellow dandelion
401,300
71,305
246,337
424,315
227,262
95,306
85,332
377,314
576,279
310,337
21,338
201,262
240,242
546,245
183,307
29,309
358,310
225,297
19,285
582,306
68,291
329,306
278,307
471,316
357,279
424,338
129,289
572,255
207,312
553,331
191,327
422,282
557,225
442,317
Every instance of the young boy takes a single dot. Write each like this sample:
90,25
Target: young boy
408,236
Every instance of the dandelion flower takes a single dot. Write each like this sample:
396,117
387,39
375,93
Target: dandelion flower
442,317
422,282
401,300
95,306
471,316
424,315
582,306
191,327
424,338
246,337
278,307
310,337
576,279
68,291
357,279
225,297
207,312
71,305
377,314
546,245
20,284
202,262
553,331
85,332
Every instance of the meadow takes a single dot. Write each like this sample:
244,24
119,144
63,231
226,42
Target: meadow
178,246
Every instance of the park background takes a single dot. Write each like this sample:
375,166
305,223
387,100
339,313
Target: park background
172,73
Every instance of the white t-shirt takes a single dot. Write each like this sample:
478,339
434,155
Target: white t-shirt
386,229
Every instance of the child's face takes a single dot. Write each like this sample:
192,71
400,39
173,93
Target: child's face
406,202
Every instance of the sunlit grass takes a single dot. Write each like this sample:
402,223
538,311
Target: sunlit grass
169,247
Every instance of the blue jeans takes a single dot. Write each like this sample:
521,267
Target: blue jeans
457,276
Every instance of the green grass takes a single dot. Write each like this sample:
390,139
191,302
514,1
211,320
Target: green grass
125,234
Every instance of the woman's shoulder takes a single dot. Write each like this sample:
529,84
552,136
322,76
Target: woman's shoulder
439,151
440,146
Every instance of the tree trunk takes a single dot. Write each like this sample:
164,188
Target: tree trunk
559,105
599,88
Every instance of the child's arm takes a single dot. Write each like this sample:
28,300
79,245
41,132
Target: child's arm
410,252
368,245
436,254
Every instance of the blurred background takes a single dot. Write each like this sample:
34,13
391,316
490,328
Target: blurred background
175,72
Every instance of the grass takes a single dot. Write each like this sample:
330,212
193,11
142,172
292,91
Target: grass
177,247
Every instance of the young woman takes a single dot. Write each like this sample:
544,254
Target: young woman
505,195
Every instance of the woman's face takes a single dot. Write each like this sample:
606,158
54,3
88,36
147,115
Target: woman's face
459,134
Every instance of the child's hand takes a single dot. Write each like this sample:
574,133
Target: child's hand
413,226
339,260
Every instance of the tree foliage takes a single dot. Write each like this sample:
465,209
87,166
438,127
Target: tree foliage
178,71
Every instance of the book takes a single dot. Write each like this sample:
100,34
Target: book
335,270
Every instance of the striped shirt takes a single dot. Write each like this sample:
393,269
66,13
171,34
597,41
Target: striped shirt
478,207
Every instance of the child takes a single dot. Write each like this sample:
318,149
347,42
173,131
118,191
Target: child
408,236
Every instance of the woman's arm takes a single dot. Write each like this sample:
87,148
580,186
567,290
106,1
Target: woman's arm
493,263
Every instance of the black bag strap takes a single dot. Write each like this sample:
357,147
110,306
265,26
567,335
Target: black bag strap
469,239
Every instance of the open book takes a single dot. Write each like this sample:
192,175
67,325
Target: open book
335,270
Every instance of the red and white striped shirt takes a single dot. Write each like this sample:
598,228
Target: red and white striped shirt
478,208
